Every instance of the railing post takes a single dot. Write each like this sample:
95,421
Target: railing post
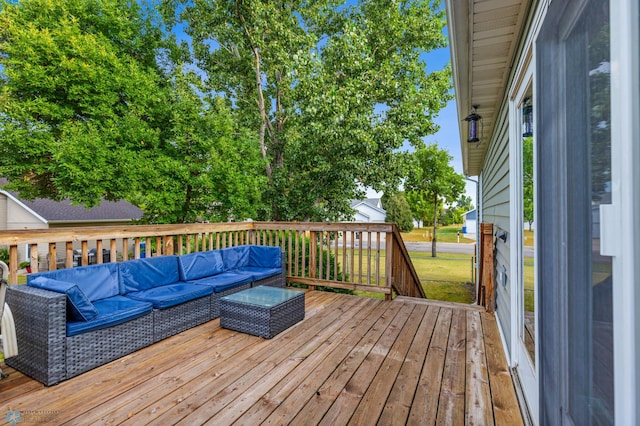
389,264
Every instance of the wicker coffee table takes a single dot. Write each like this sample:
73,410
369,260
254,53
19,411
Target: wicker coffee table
262,311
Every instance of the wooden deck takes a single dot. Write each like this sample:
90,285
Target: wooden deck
352,360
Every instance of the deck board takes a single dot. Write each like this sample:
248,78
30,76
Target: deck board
351,361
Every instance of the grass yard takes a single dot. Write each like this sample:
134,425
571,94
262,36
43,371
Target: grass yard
446,277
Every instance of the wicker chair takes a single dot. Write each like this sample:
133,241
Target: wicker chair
7,325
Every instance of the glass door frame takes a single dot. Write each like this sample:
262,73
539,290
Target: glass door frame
625,175
618,221
526,368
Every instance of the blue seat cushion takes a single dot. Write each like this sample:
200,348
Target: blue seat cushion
171,295
96,281
224,281
79,307
111,311
147,273
260,273
265,257
235,257
199,265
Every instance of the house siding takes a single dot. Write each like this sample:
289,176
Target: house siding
20,218
366,213
495,206
3,211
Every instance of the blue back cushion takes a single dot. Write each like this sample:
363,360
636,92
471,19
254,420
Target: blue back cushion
235,257
265,257
150,272
199,265
79,307
96,281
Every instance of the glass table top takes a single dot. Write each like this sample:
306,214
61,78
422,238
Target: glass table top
263,296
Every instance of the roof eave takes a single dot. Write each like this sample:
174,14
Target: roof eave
458,28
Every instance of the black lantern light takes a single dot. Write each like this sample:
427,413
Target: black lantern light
473,120
527,118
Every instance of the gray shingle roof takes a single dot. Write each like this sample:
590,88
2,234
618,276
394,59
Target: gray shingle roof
63,211
54,211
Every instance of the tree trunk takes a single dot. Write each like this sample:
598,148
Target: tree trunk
266,123
435,225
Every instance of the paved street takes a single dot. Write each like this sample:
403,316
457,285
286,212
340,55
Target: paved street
457,248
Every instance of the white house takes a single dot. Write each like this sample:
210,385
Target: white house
470,222
555,86
369,210
17,213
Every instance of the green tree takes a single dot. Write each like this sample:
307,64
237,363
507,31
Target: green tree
398,212
421,208
527,179
83,101
433,178
210,170
464,203
331,91
94,105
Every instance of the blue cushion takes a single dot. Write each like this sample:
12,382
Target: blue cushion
96,281
235,257
198,265
260,273
79,307
265,257
147,273
171,295
111,311
224,281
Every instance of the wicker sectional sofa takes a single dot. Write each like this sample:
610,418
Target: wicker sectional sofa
72,320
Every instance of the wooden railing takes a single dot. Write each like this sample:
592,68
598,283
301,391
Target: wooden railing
357,256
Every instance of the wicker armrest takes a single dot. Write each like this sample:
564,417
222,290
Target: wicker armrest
40,317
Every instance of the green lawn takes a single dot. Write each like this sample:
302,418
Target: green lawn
446,277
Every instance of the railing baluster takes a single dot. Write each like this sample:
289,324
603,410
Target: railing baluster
344,255
13,264
378,258
113,252
98,258
335,257
125,249
52,257
289,234
33,261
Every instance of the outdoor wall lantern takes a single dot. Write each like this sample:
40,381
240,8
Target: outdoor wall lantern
473,119
527,118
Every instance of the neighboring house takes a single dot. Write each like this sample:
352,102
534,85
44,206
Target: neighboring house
16,213
369,210
469,222
557,86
